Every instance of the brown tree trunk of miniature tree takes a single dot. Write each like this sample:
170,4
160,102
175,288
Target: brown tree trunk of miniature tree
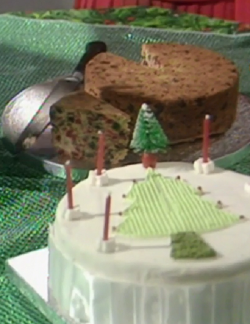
149,160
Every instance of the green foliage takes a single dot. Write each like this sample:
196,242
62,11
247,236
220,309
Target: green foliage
139,16
190,245
148,135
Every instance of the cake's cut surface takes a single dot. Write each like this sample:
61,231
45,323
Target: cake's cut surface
76,120
163,206
190,245
190,83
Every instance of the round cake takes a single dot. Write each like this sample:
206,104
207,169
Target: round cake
139,273
182,83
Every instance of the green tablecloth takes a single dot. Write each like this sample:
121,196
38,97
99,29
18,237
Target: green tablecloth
32,51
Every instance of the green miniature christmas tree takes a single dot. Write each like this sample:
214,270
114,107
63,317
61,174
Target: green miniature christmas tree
148,137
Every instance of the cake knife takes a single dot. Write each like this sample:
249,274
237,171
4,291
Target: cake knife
27,114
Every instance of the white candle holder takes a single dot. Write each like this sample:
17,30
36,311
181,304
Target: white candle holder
201,167
107,246
198,166
98,180
247,187
73,214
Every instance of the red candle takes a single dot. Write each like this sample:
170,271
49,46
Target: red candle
69,184
100,153
206,131
106,218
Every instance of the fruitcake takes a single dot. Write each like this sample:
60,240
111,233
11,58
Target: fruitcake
182,83
76,120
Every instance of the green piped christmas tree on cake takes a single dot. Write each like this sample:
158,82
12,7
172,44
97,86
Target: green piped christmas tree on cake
161,207
190,245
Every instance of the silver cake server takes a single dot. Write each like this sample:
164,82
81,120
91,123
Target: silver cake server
27,114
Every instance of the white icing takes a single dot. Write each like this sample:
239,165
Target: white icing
204,168
79,307
98,180
208,167
107,246
247,187
144,106
79,238
111,302
73,214
140,283
198,166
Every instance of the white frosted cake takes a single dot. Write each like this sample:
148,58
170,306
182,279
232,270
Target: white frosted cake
139,274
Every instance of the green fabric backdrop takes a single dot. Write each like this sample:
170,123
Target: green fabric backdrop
32,51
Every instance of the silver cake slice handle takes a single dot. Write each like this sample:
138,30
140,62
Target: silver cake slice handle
40,119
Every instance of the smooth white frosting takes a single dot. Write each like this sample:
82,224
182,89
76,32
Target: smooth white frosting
148,262
84,297
247,187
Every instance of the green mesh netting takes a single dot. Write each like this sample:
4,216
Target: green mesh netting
32,51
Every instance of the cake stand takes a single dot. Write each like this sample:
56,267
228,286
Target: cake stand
43,155
29,273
